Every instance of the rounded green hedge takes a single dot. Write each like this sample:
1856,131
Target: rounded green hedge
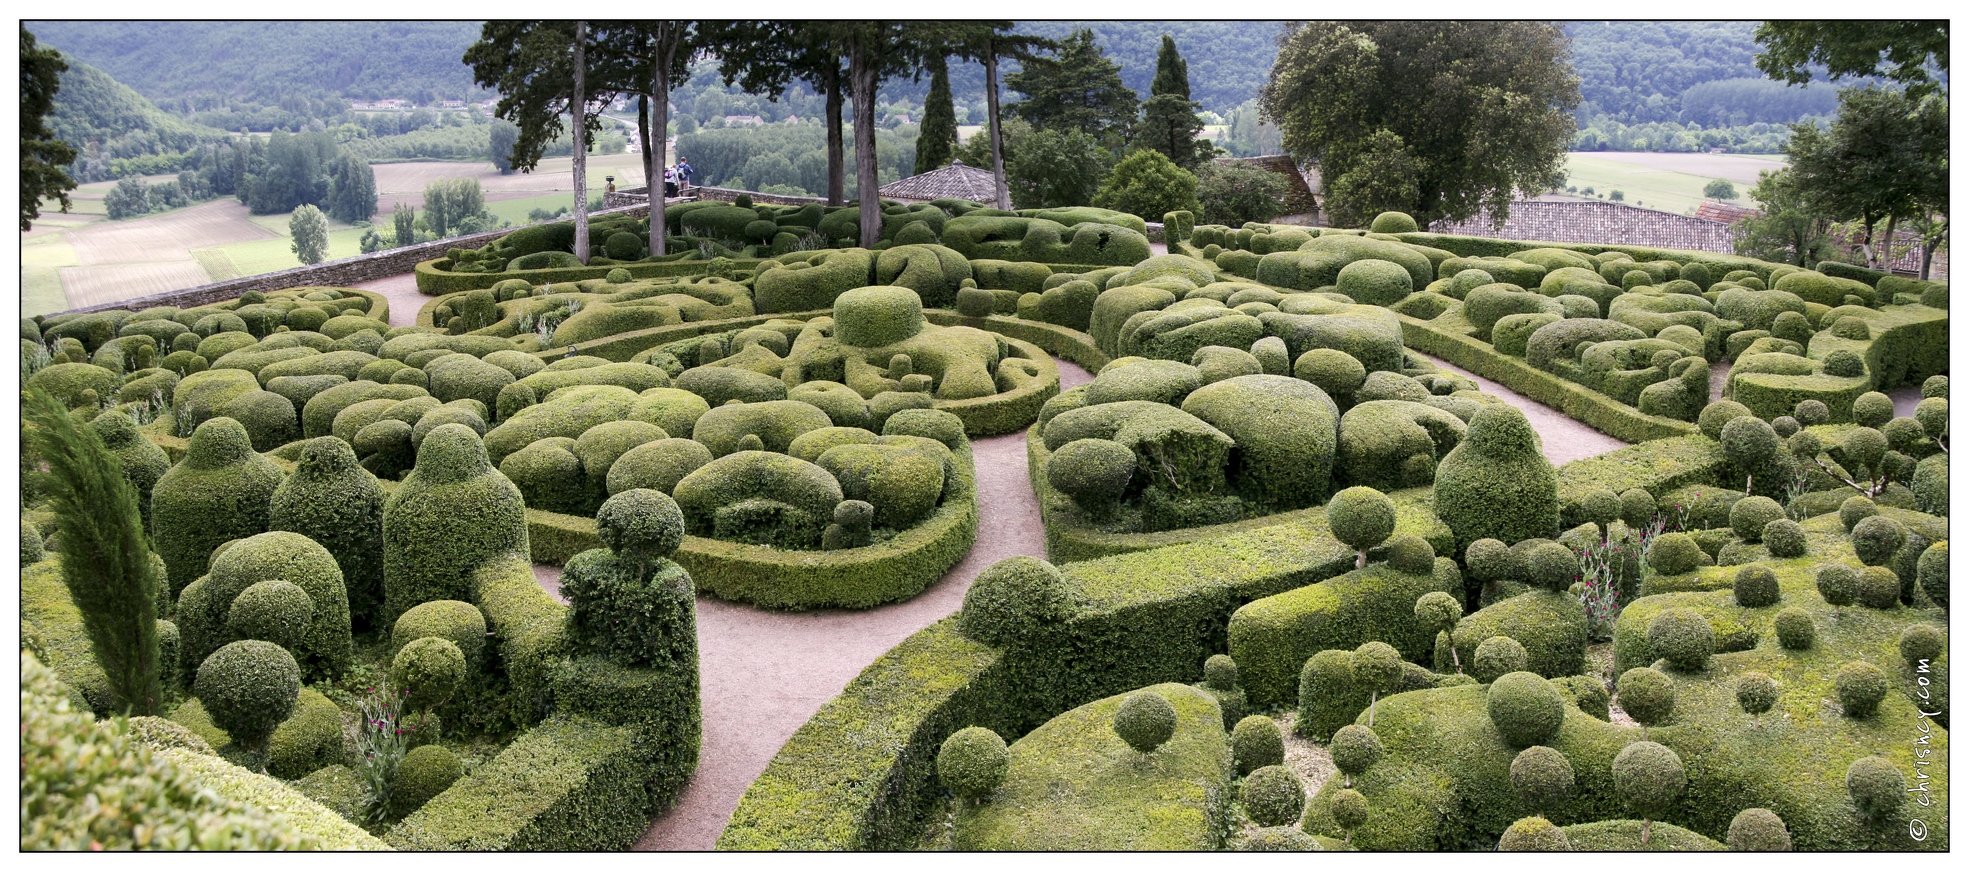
1497,657
1758,830
1355,749
425,772
1756,692
973,763
1543,777
1256,742
1016,602
248,688
1647,695
1526,709
1755,586
1273,796
1877,787
222,490
451,514
271,611
1861,687
1534,834
1145,720
1496,483
1683,638
1876,538
641,524
460,622
430,670
333,501
1795,629
1649,778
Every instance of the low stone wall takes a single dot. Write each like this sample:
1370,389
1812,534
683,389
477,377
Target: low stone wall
335,273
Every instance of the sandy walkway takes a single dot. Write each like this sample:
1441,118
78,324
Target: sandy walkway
402,293
1565,439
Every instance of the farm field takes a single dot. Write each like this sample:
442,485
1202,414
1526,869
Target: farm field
1670,182
81,259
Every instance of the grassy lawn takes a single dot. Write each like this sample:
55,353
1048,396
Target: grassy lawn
1654,188
41,284
273,255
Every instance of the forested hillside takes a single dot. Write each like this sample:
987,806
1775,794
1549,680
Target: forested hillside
1689,71
268,61
115,131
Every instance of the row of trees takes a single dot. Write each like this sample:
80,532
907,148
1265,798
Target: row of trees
1883,162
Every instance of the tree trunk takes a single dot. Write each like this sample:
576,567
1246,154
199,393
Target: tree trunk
862,75
1927,258
579,106
837,173
1887,245
642,128
1004,200
656,139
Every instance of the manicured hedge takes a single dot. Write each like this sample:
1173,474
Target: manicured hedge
1272,638
852,578
434,279
571,784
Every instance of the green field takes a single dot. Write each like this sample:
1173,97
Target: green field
1655,187
41,284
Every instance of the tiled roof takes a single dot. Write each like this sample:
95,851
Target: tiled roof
957,181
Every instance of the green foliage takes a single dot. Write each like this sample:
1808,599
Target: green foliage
1756,586
42,154
1756,692
1256,742
1273,796
1534,834
451,514
1496,483
1876,538
1647,695
220,491
1145,721
1396,104
1543,777
631,608
1497,657
271,611
1525,708
70,764
1355,749
249,688
1683,638
1758,829
1054,169
1361,517
332,500
1795,629
1147,183
105,557
1861,686
972,763
425,772
1876,786
1233,193
1649,778
430,670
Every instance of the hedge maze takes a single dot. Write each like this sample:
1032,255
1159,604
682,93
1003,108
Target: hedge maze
1273,522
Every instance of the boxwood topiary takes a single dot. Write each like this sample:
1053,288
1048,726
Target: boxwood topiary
1931,570
1856,509
1016,602
1756,692
1646,695
460,622
1920,642
1497,657
425,772
972,762
271,611
1879,588
429,670
1526,709
1256,742
1534,834
248,688
1784,538
1755,586
1361,517
1758,830
1145,720
324,649
1876,538
452,513
1749,515
1861,686
1682,637
1355,749
1877,787
220,491
1675,553
1543,777
1795,629
635,612
1649,778
1349,810
1496,483
1273,795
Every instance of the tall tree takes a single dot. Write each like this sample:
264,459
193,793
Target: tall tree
648,58
1884,159
532,65
580,104
1170,124
1786,231
1077,88
764,57
1900,49
504,134
1054,168
987,42
106,558
1172,73
1482,109
938,135
404,222
310,232
42,155
351,190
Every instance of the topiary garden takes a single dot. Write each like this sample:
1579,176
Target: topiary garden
1280,525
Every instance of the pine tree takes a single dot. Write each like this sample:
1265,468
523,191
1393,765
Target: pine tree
106,559
1169,119
1077,88
939,133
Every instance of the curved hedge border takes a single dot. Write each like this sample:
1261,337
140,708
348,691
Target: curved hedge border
856,578
1069,541
860,775
433,279
1908,344
1581,403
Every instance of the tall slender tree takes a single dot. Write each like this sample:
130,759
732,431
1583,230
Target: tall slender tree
1884,159
764,57
106,558
1170,123
42,155
938,135
580,104
532,65
986,42
648,58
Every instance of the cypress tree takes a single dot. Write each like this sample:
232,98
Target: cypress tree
1172,73
1169,121
105,555
939,133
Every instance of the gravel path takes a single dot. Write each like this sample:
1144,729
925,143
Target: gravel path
764,673
402,293
1565,440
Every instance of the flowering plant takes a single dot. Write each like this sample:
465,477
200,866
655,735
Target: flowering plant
382,738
